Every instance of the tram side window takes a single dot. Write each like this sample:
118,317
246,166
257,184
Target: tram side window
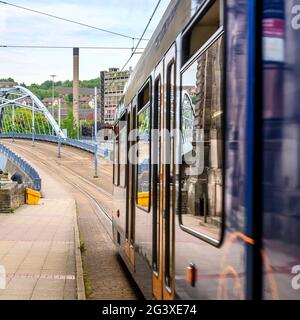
202,30
116,156
122,151
202,144
143,167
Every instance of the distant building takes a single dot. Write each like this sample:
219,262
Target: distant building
86,102
8,84
83,92
114,84
48,102
63,111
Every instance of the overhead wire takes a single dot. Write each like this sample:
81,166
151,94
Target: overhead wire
140,39
66,47
134,49
71,21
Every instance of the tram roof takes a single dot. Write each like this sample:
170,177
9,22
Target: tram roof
175,18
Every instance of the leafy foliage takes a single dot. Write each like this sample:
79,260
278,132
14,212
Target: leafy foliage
23,122
69,124
7,80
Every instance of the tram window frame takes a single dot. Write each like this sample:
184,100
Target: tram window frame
124,119
116,180
187,35
170,172
202,236
157,102
142,106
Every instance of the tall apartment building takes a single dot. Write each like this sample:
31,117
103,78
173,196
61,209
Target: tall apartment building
114,84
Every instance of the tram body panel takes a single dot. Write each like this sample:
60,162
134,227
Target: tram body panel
211,218
281,134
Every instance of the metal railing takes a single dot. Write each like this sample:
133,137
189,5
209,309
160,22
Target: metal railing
104,149
54,139
24,166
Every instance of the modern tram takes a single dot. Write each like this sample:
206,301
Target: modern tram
207,154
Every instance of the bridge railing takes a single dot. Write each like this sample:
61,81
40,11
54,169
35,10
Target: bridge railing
54,139
24,166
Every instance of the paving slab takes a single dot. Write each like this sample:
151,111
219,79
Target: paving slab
37,246
106,276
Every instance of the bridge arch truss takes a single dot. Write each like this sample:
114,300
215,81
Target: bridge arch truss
39,119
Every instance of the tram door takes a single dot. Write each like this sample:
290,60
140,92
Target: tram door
130,210
163,185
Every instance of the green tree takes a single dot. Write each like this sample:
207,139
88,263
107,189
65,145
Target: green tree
90,83
67,84
70,97
46,85
7,80
69,124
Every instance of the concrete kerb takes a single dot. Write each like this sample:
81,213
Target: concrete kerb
79,269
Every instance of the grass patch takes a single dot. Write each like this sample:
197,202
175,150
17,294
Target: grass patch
86,279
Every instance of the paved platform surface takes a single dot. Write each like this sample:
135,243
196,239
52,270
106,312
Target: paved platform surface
106,277
37,246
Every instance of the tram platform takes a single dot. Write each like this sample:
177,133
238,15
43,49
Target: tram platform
39,248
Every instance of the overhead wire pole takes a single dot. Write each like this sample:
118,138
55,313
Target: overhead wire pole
59,141
95,113
96,131
52,107
33,126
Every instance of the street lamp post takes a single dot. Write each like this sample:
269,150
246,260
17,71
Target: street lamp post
95,114
52,109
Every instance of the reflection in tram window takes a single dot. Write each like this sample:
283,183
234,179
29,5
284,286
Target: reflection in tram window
202,141
116,156
123,151
203,30
143,179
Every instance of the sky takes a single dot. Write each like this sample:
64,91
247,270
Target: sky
19,27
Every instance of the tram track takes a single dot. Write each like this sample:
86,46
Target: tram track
99,209
104,171
67,153
29,148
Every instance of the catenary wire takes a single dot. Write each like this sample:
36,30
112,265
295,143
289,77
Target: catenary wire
70,21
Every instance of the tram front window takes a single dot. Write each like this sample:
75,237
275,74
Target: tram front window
202,143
